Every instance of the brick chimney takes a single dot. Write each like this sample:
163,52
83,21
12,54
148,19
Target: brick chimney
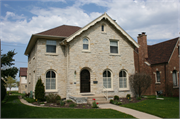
142,41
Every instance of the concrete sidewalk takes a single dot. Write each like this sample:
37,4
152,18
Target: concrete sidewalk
134,113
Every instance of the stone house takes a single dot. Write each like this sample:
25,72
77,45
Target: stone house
161,62
23,80
72,61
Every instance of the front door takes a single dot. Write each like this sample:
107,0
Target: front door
85,81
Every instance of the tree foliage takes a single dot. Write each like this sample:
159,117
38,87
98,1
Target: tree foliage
11,82
6,61
140,82
39,90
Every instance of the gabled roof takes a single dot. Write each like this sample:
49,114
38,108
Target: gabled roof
63,31
68,33
103,16
23,72
60,32
161,52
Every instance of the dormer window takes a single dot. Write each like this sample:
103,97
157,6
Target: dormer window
85,44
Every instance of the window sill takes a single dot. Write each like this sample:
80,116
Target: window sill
175,86
114,54
53,54
108,90
51,90
103,33
86,51
124,90
158,83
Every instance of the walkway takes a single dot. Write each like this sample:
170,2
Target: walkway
134,113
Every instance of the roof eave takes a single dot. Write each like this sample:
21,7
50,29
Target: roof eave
34,38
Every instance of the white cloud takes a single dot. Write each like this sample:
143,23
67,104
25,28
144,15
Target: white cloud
158,19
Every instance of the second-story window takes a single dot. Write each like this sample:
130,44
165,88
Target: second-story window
85,44
113,46
51,46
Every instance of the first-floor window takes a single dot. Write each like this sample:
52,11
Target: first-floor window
175,83
107,79
158,76
50,80
122,79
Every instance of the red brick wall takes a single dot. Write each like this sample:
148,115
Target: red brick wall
173,65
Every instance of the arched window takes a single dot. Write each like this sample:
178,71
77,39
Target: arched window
122,79
102,28
158,76
85,44
51,80
107,79
175,82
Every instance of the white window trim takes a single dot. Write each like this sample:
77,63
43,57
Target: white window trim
51,90
156,77
108,89
86,50
51,53
127,81
110,47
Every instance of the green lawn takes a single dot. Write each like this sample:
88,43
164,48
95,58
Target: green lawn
13,108
167,108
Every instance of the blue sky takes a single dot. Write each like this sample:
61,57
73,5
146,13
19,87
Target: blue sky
160,19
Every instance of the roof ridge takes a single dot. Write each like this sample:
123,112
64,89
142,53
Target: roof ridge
164,41
58,27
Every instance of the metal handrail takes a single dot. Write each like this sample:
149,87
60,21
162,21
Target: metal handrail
106,95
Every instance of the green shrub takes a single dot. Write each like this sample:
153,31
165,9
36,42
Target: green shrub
62,103
68,101
116,97
30,100
72,105
58,97
138,98
58,102
94,105
128,96
3,91
31,94
52,98
117,103
112,101
39,90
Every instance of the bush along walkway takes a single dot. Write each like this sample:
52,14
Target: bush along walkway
137,114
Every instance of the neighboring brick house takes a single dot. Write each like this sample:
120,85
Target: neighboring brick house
73,61
161,62
23,80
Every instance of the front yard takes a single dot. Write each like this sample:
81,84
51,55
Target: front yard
167,108
13,108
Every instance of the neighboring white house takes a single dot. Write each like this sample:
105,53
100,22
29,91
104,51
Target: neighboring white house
72,61
23,80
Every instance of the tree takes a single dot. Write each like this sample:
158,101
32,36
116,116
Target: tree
11,82
140,82
6,63
39,90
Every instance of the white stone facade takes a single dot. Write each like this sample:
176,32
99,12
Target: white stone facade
69,60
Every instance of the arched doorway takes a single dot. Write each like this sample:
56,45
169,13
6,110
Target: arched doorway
85,81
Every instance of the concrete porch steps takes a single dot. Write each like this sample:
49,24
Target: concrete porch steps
98,99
